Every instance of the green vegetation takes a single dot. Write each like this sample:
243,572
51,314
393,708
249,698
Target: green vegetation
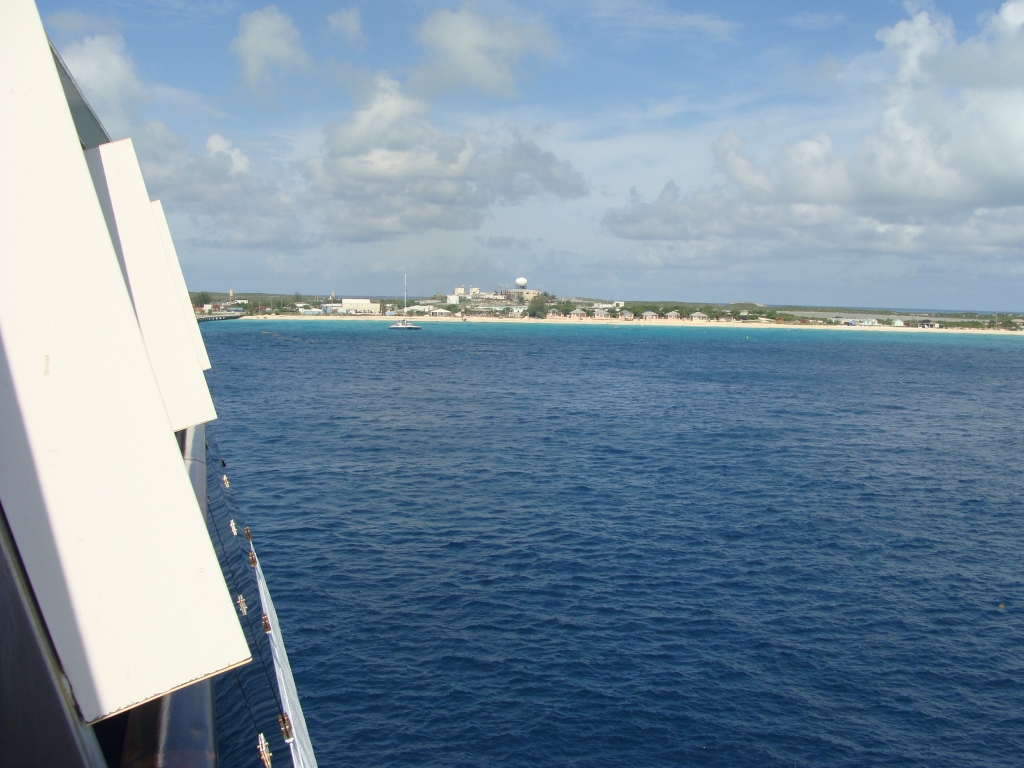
538,306
1003,322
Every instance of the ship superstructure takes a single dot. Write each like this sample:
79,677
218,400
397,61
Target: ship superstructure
115,614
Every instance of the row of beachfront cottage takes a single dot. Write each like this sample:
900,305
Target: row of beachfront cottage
695,317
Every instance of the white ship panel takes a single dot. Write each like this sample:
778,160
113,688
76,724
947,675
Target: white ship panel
91,480
179,281
134,232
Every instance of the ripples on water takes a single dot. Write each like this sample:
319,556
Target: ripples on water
513,545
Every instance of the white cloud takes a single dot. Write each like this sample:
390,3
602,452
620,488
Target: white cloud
1010,18
642,18
102,67
268,43
467,50
738,168
347,23
933,168
390,120
815,20
914,39
943,171
218,145
993,59
385,171
389,171
216,193
217,197
74,23
504,243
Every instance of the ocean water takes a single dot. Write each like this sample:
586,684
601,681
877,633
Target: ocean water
533,545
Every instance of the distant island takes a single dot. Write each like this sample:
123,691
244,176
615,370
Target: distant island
521,303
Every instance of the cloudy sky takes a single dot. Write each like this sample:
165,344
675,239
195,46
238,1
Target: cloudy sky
866,154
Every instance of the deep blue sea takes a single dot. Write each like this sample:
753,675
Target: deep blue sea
548,545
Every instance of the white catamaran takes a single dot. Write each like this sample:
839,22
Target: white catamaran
404,324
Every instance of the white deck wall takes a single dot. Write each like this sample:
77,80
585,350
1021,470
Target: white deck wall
136,238
179,280
91,479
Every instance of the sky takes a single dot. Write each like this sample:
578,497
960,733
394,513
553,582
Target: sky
857,154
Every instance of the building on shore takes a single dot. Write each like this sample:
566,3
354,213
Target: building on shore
649,315
352,307
523,295
673,315
578,313
361,306
698,317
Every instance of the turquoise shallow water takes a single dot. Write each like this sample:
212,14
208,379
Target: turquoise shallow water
512,545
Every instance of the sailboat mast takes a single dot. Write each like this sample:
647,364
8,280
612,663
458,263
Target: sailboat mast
404,323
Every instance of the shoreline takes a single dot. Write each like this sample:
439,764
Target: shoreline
633,323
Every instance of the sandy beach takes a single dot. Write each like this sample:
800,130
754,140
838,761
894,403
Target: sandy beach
746,326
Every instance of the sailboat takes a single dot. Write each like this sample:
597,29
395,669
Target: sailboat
404,324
